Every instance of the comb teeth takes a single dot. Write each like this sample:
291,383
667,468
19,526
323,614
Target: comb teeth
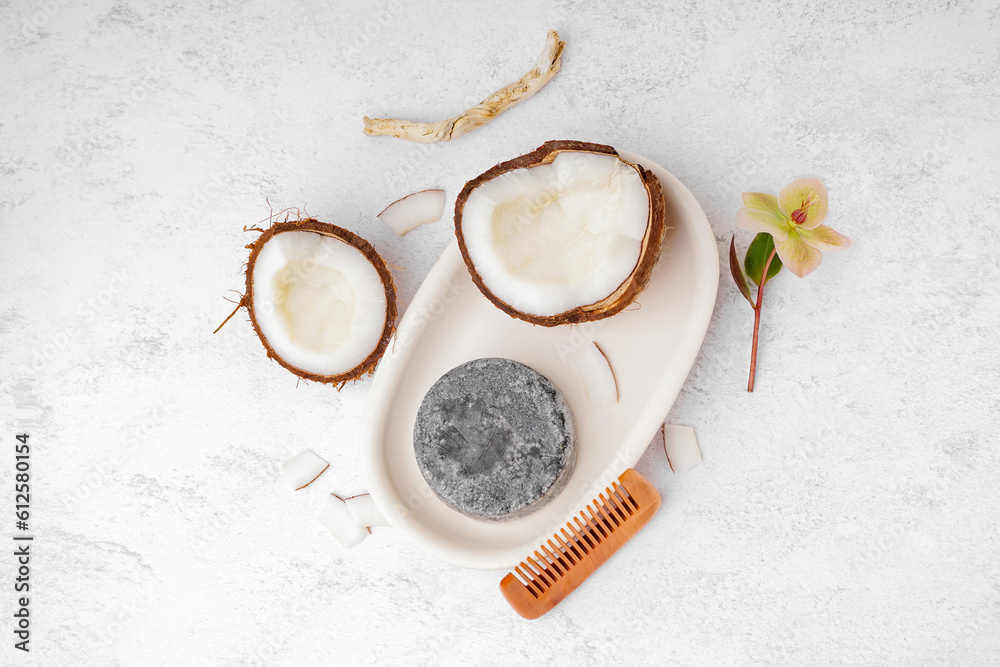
561,563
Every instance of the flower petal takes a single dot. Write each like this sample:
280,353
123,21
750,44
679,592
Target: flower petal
763,202
759,221
798,256
824,238
804,202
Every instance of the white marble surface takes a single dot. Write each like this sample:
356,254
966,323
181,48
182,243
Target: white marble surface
846,512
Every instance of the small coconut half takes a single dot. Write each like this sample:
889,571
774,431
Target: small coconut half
321,300
565,234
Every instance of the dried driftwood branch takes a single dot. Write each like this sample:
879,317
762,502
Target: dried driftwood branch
445,130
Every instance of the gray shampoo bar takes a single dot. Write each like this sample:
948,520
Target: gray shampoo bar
494,439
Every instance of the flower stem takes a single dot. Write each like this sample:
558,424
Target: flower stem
756,319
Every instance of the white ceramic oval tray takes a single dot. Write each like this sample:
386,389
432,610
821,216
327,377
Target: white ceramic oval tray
651,347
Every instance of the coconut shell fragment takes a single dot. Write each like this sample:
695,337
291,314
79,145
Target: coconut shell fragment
681,447
420,208
303,469
597,376
337,518
364,511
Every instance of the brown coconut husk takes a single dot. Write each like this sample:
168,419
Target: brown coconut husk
367,366
629,289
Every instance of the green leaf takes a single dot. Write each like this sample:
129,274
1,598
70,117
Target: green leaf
760,249
734,268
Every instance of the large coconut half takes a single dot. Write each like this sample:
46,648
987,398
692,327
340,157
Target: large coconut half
321,300
568,233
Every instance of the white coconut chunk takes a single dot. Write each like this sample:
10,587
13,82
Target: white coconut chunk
318,301
339,521
681,446
420,208
364,511
554,237
302,469
597,376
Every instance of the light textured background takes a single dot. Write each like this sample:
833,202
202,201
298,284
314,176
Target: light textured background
846,512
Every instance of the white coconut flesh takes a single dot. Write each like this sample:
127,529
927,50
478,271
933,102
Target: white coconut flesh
318,301
557,236
406,214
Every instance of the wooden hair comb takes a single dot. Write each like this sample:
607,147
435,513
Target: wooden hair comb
573,553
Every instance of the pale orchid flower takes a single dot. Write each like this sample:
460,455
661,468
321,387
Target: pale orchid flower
789,234
793,219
